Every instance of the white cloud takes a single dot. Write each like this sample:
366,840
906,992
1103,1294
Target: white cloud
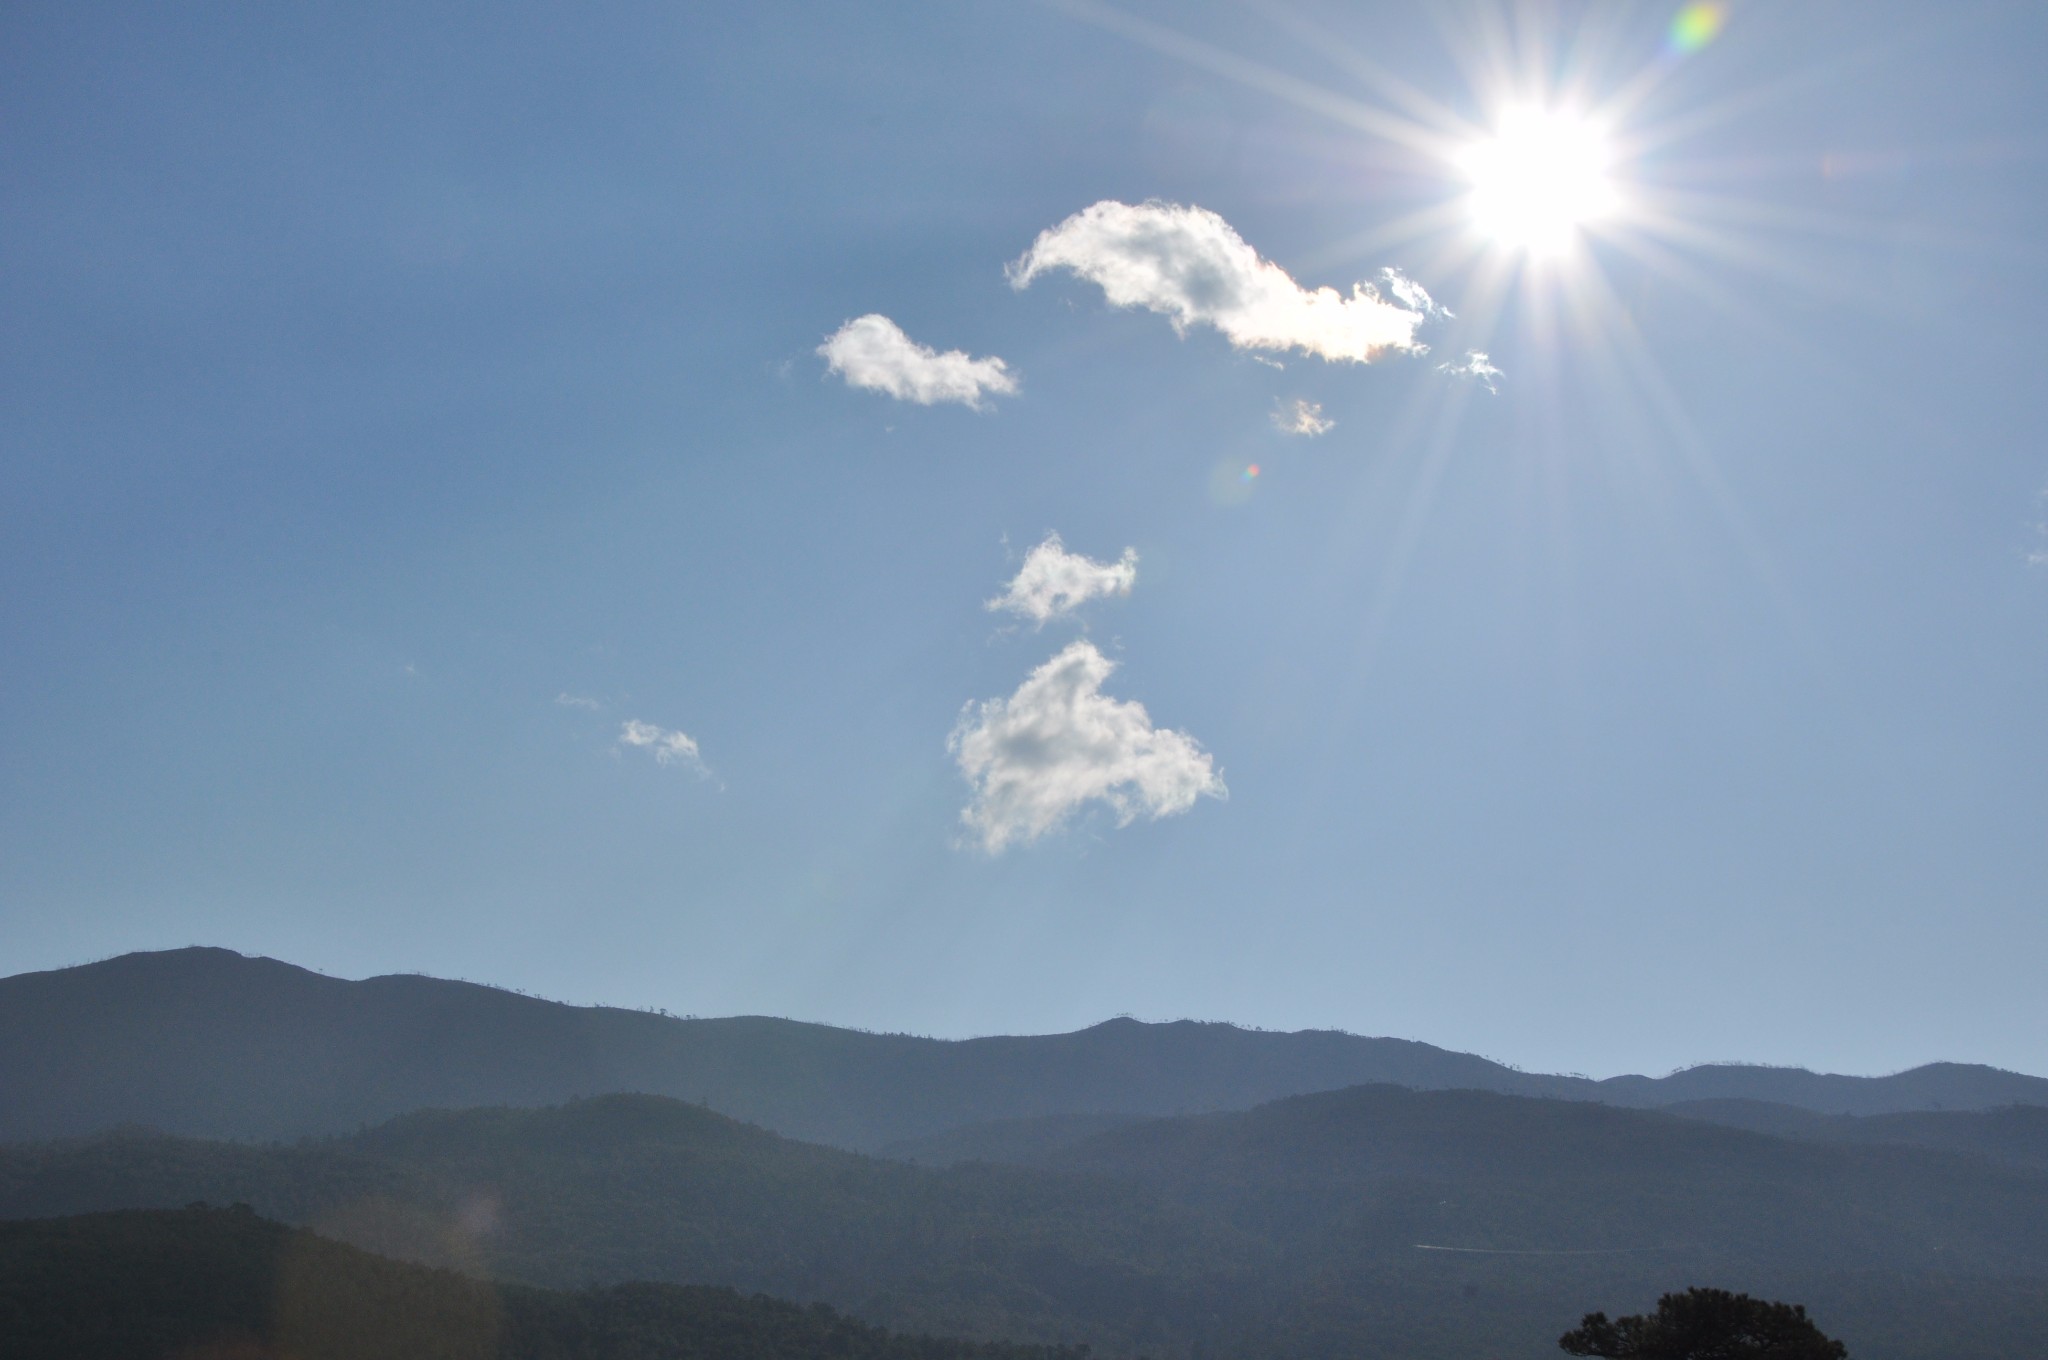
1053,581
584,702
873,352
670,747
1475,366
1189,265
1059,743
1413,295
1302,416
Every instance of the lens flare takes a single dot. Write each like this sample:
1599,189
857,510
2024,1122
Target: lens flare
1695,26
1232,483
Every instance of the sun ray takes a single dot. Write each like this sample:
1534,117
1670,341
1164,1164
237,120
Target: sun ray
1295,90
1434,222
1333,48
1683,208
1673,268
1627,101
1812,274
1646,380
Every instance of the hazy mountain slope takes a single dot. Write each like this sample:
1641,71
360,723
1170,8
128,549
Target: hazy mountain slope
640,1187
1472,1169
182,1284
1761,1116
1397,1208
2016,1135
1372,1222
208,1042
1012,1141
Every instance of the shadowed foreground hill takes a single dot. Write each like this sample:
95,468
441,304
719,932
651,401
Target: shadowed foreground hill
1375,1222
223,1284
208,1042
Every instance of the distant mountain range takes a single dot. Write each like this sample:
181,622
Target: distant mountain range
211,1043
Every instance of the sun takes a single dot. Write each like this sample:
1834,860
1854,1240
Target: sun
1541,178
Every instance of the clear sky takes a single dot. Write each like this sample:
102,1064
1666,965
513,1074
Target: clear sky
448,523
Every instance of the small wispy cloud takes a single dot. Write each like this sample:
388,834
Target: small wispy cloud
1301,416
1059,744
1053,582
2039,556
582,701
1192,267
1477,367
669,746
1413,295
873,352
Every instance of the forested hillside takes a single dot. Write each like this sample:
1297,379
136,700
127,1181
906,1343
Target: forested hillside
212,1284
2016,1135
1368,1222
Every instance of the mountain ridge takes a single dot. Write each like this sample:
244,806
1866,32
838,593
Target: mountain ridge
208,1042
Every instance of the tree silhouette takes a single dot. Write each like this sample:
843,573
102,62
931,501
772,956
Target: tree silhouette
1705,1324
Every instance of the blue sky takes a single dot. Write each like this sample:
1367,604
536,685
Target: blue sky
398,401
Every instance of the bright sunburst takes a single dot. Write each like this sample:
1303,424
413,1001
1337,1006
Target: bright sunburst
1542,176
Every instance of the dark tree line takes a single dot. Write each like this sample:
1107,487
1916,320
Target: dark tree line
1705,1324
